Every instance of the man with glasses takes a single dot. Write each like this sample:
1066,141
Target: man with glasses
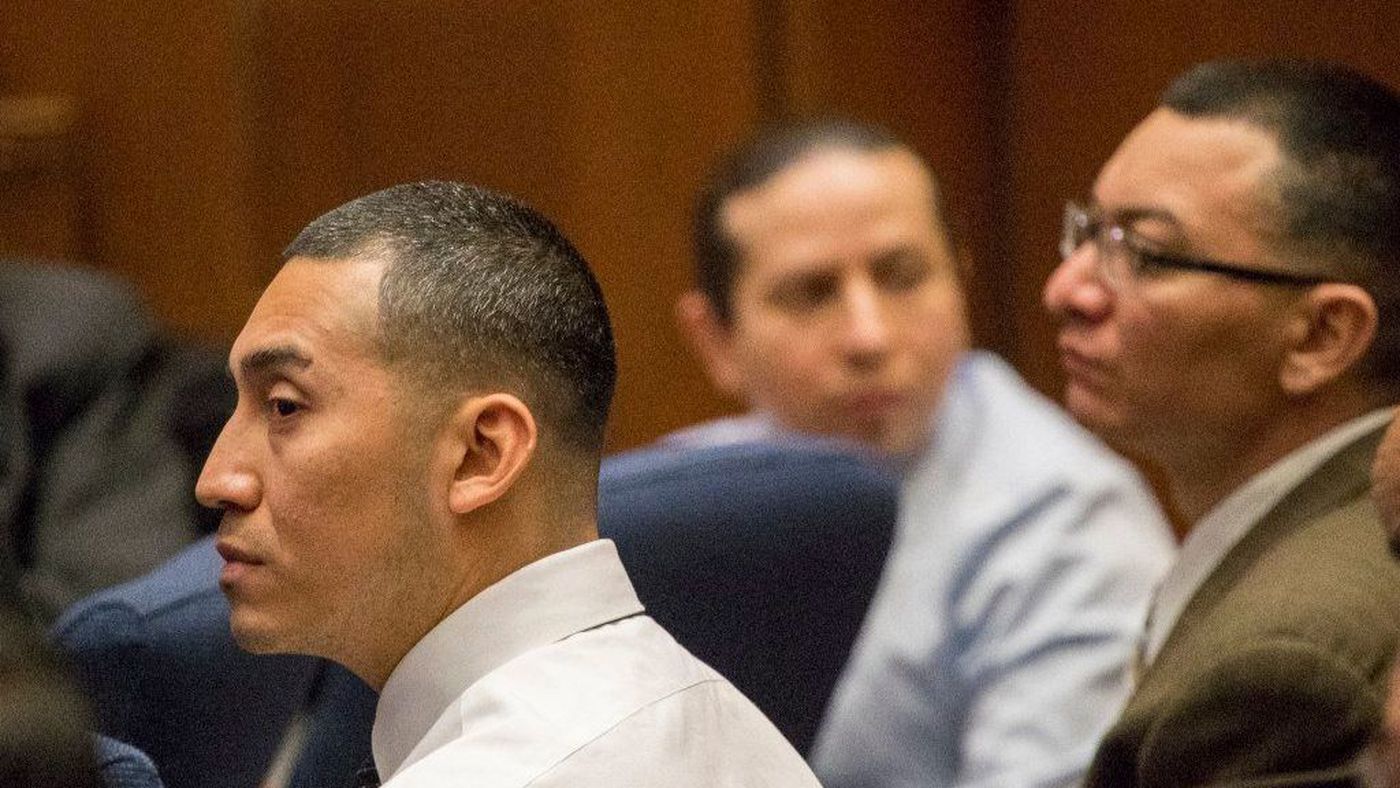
1228,309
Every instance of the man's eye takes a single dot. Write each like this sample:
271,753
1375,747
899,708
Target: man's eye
283,407
1146,258
903,272
805,294
1151,263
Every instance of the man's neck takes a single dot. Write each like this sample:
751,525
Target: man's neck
494,551
1203,476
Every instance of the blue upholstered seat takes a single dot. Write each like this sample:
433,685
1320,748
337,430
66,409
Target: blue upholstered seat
760,558
164,675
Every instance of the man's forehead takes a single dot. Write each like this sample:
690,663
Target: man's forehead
1189,168
312,307
829,199
819,181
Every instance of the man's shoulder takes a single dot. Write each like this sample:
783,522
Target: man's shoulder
1341,555
1302,638
726,431
1293,709
619,699
605,671
707,734
1009,462
1331,581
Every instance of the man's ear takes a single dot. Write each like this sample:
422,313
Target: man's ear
713,341
490,440
1332,330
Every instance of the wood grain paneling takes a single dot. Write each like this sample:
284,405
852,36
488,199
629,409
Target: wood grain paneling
39,215
169,156
160,154
601,115
44,45
659,90
42,213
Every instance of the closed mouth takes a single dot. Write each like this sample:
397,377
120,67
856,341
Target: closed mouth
872,403
234,554
1077,363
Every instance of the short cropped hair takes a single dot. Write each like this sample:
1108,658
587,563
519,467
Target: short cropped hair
481,290
749,165
1339,185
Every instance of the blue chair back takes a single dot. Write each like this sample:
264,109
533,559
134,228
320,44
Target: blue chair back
759,558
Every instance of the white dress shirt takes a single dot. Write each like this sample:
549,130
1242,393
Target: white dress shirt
1227,523
555,676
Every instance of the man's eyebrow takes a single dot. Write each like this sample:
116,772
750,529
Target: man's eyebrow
1136,213
899,251
825,267
265,360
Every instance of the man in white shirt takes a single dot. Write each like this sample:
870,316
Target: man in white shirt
1229,308
408,485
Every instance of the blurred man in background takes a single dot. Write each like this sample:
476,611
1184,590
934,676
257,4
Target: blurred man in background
104,420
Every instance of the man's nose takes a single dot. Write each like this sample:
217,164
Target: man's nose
228,480
1075,291
866,334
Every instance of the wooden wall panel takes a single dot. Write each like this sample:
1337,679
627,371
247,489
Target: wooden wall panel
206,138
41,209
658,91
160,149
43,45
169,156
601,115
1084,76
355,96
39,212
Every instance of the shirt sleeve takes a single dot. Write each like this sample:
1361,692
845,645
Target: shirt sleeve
1047,618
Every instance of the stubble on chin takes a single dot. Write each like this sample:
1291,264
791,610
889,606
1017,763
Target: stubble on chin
251,638
257,632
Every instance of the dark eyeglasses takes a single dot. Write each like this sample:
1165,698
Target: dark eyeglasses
1122,258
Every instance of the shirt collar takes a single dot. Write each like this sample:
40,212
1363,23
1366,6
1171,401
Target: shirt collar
541,603
953,425
1227,523
749,427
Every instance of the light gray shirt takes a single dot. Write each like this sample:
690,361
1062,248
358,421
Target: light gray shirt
997,648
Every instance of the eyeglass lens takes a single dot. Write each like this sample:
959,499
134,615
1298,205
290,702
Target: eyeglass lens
1111,250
